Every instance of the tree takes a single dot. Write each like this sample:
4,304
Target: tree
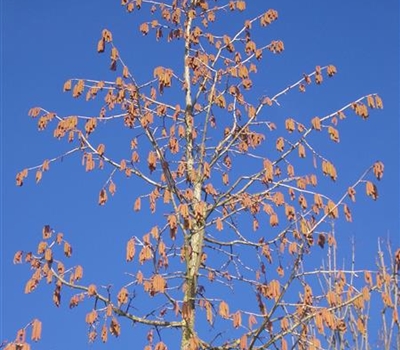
236,207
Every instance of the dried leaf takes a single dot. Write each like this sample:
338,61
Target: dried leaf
331,70
151,161
18,257
316,123
273,220
78,273
101,45
130,250
237,319
102,196
158,283
347,213
371,190
378,102
333,133
332,210
36,330
209,314
280,144
351,193
67,249
219,224
115,328
123,296
321,240
378,170
91,317
223,310
290,125
137,205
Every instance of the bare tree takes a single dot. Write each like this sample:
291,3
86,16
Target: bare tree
212,166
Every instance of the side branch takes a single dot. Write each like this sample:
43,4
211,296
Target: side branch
118,311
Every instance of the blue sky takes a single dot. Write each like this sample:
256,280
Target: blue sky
44,43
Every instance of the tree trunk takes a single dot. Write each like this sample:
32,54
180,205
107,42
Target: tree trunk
194,237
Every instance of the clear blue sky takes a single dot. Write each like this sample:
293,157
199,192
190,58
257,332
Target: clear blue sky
44,43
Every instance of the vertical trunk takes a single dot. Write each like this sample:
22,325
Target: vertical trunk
194,250
194,240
